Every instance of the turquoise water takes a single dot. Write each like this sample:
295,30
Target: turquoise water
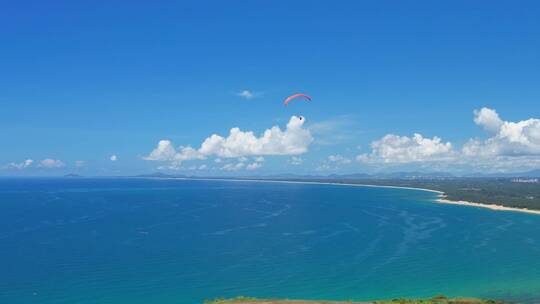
171,241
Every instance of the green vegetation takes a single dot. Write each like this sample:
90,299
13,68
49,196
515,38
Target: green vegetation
434,300
498,191
439,300
232,301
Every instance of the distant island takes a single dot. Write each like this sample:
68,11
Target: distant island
72,175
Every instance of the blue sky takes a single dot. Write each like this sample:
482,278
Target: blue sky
82,82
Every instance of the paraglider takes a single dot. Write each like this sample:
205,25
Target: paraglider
290,98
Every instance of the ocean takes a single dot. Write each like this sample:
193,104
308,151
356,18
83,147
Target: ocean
128,240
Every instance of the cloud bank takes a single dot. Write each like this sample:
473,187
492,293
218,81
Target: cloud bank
51,163
510,145
339,159
402,149
293,140
47,163
520,138
22,165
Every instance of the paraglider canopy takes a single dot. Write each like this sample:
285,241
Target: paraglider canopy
290,98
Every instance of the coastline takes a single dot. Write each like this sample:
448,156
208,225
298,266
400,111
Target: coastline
440,200
297,182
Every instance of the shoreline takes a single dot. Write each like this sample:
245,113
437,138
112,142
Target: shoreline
440,200
297,182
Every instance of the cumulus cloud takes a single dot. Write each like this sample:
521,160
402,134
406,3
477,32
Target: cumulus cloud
80,163
520,138
294,140
325,167
51,163
47,163
339,159
113,158
165,151
253,166
233,167
247,94
488,119
171,166
243,163
296,160
509,146
333,162
403,149
22,165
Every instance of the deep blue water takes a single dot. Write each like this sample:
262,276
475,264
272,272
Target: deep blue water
171,241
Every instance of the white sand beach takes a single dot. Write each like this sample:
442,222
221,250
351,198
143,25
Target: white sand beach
494,207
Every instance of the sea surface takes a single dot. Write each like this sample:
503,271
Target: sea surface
107,240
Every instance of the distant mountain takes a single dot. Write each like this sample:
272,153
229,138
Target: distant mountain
349,176
414,175
532,173
282,176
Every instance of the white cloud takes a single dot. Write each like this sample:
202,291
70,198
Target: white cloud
402,149
48,163
241,164
203,167
51,163
165,151
80,163
325,167
233,167
22,165
247,94
508,138
256,164
253,166
296,160
510,146
488,119
333,162
171,166
339,159
113,158
294,140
